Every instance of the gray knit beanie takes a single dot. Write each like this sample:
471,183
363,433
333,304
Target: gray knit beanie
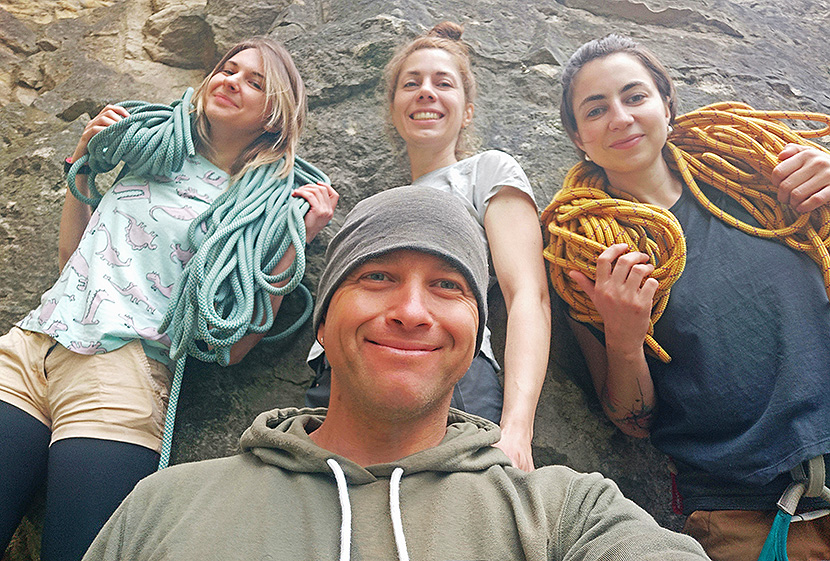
417,218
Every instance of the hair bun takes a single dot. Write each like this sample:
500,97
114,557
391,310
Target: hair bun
447,30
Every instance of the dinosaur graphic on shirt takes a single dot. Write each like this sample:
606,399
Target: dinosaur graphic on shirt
166,291
55,327
46,310
181,256
132,191
179,213
212,178
99,297
109,254
92,348
191,193
137,236
79,264
146,333
133,292
92,224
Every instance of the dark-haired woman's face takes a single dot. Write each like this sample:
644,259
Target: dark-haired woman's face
621,118
430,108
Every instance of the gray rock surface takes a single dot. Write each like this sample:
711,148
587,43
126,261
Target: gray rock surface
62,61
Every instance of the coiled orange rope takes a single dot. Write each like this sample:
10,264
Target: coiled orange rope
728,145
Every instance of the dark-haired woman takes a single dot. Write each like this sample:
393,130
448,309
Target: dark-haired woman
746,395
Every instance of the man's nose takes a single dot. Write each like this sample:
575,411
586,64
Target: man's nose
411,306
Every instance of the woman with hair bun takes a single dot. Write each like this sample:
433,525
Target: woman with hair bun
431,92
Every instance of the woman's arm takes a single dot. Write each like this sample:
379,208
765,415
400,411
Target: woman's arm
322,200
75,214
623,295
515,239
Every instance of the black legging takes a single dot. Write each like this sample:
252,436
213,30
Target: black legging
86,479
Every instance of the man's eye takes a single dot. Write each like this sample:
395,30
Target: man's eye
375,276
449,285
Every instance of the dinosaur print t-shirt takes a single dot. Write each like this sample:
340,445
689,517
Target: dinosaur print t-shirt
117,284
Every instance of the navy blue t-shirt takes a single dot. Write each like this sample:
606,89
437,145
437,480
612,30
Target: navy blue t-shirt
746,396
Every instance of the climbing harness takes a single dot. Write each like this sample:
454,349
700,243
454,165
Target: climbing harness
729,146
224,292
807,482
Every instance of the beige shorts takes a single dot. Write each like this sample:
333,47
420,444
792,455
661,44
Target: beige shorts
120,395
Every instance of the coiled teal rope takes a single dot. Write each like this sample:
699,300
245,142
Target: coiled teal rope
224,292
153,140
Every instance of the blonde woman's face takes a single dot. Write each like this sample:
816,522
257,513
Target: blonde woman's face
236,96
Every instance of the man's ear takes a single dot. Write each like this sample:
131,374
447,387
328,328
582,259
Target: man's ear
320,330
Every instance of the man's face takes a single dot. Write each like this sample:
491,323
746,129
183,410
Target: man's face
399,332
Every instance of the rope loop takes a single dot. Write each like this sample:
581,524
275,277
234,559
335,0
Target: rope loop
154,140
224,292
730,146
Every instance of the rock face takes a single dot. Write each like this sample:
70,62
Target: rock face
60,62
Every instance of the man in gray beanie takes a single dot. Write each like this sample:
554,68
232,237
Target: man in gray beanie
389,470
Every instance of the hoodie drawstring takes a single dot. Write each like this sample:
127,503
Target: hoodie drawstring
395,513
346,511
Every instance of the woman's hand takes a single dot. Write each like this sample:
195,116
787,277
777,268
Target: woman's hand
517,448
322,200
623,295
109,115
802,177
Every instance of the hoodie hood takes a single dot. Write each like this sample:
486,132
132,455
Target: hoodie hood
280,437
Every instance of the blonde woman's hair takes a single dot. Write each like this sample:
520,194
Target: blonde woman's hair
447,37
286,100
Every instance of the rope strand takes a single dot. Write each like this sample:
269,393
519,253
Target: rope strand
727,145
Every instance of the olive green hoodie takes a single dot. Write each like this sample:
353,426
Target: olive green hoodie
285,498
